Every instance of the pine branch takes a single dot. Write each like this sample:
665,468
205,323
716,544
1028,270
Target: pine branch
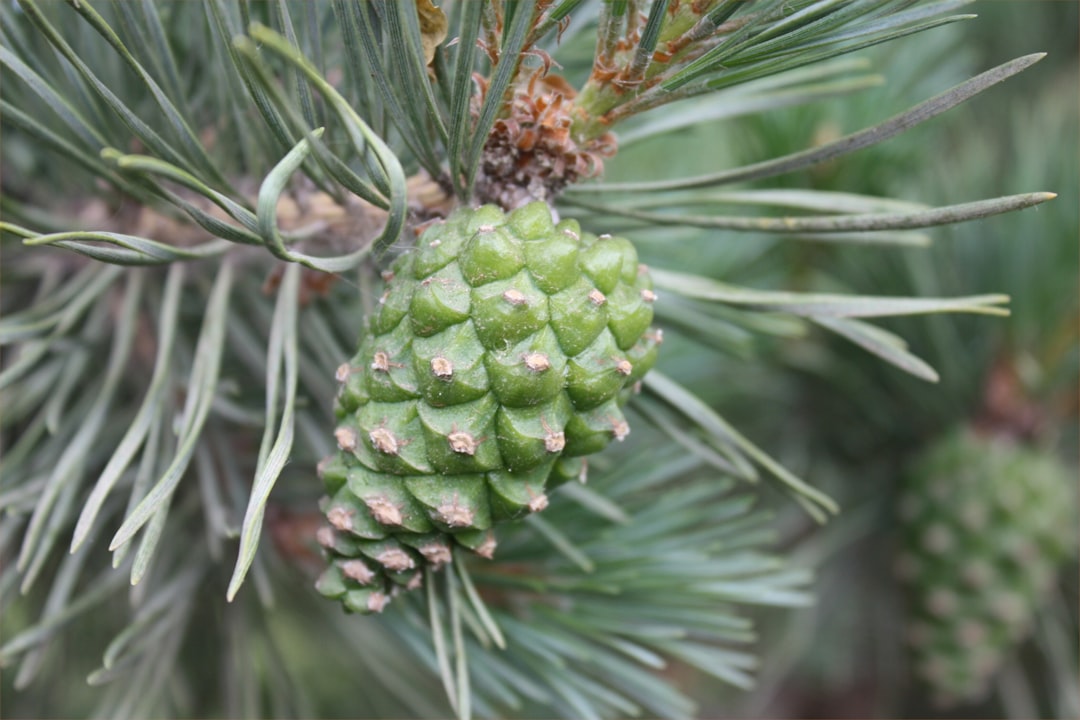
272,197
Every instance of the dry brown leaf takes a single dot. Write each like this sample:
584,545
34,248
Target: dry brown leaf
433,27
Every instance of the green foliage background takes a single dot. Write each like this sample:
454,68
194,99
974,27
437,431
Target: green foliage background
826,410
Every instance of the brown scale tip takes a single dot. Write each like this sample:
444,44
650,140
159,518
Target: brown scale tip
384,441
583,476
384,511
415,581
343,372
937,539
657,336
1008,607
624,367
325,536
346,438
642,269
515,297
537,362
977,574
648,295
620,429
554,441
387,275
437,554
571,234
486,228
395,560
381,362
320,469
340,517
455,514
538,503
377,601
597,297
358,571
917,634
486,549
462,442
605,236
971,633
941,602
442,367
435,243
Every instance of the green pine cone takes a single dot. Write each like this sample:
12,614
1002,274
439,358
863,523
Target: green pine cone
500,354
986,525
